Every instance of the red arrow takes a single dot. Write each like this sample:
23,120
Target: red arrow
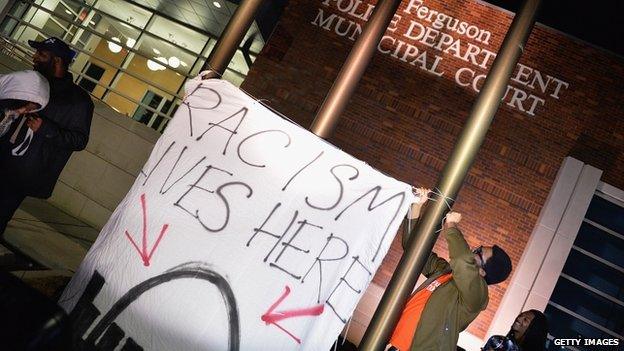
145,256
272,318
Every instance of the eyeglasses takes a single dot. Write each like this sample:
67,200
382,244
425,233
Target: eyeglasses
479,251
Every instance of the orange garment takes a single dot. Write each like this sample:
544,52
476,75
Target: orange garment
404,332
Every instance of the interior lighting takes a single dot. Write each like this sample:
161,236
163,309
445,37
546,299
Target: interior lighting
174,62
114,47
216,4
130,42
154,66
156,51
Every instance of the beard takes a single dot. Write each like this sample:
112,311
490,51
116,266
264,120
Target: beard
45,68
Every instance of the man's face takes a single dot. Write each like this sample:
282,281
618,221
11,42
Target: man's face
522,322
482,255
43,62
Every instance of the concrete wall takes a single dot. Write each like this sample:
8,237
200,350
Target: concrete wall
96,180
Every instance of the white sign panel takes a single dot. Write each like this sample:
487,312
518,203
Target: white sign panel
243,231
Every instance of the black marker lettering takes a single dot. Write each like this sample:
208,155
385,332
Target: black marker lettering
196,186
231,131
319,260
289,244
278,237
238,150
330,207
372,206
343,279
162,188
157,163
301,170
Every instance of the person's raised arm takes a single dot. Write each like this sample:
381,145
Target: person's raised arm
413,213
472,287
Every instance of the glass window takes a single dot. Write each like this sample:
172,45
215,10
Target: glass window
126,50
165,57
605,245
125,11
587,301
90,76
595,274
606,213
564,325
177,34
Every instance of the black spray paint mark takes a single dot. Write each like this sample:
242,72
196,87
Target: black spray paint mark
289,245
343,280
162,188
301,170
341,187
276,236
190,108
219,192
372,206
189,270
319,260
147,177
196,186
232,132
238,150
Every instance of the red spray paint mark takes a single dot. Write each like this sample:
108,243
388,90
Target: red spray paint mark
145,256
272,318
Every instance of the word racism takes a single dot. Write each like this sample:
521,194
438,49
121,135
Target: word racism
432,35
242,231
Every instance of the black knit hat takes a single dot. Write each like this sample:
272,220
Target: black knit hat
497,267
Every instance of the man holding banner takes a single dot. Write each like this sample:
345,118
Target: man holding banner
454,293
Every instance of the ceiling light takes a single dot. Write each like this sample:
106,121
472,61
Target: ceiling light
174,62
154,66
68,12
216,4
183,64
156,51
92,23
130,42
114,47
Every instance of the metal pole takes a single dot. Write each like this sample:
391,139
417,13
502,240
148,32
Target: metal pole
230,39
423,237
353,69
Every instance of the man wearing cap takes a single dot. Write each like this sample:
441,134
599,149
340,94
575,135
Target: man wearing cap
454,293
61,128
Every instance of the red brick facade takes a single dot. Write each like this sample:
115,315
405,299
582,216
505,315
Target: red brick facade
404,120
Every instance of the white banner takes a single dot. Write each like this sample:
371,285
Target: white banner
243,231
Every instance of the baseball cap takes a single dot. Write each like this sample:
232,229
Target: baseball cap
55,46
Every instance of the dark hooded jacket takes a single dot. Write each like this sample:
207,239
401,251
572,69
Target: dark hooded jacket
65,129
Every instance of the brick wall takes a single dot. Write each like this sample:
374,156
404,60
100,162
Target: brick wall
404,120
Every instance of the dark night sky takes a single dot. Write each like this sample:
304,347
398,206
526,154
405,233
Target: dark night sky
600,22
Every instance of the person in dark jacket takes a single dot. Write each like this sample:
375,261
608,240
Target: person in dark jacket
528,333
61,128
454,293
20,93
